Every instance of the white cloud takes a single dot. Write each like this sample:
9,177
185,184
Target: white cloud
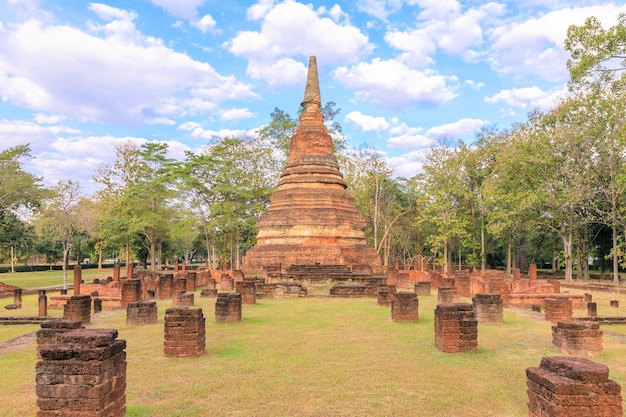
395,85
407,165
259,10
235,115
367,123
206,24
47,119
535,46
184,9
379,8
284,72
20,132
409,141
528,97
292,29
117,78
459,128
476,85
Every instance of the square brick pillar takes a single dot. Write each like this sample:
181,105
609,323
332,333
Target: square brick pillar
17,297
447,295
422,288
383,296
176,267
78,278
184,332
392,276
191,281
558,309
183,268
456,328
238,275
516,274
141,312
247,288
208,293
488,308
228,308
83,374
532,272
130,270
131,291
42,303
116,272
592,309
78,307
404,306
211,284
577,337
572,387
164,286
183,299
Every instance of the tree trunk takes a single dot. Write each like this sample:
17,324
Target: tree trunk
153,254
508,256
100,255
66,261
615,257
12,260
483,255
567,249
445,257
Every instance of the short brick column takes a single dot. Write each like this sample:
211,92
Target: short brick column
131,291
447,295
183,299
164,288
404,306
191,277
558,309
180,285
422,288
184,332
226,283
42,303
532,272
488,308
592,309
210,284
17,297
247,288
78,307
141,312
572,387
228,308
116,272
383,297
577,337
47,335
456,328
83,374
208,293
97,305
614,303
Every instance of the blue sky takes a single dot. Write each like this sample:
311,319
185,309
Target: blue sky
77,77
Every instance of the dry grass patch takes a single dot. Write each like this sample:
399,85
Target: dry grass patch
320,357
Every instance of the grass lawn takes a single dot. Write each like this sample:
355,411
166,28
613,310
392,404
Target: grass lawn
48,278
317,357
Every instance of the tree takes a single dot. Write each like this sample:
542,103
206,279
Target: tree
18,188
16,237
598,55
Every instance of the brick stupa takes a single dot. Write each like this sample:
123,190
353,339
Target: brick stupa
311,218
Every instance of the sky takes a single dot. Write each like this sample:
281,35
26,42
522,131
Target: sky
77,78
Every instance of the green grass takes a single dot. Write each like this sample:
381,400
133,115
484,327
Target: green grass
48,278
319,357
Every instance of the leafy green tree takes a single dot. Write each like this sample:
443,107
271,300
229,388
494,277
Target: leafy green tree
16,237
18,188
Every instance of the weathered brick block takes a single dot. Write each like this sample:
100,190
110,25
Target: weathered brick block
577,337
558,309
488,308
184,332
228,308
78,307
447,295
141,312
456,328
131,291
572,387
422,288
404,306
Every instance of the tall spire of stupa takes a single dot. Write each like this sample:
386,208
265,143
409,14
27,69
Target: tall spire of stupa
312,91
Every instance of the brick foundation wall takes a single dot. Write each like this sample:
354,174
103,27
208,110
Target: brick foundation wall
488,308
82,374
78,307
353,291
383,295
228,308
456,328
208,293
577,337
184,332
572,387
404,306
141,312
247,289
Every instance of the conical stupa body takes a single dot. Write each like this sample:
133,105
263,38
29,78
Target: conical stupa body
311,217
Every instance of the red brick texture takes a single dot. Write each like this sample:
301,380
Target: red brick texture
456,328
184,332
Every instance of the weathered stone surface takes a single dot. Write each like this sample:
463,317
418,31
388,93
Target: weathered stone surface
422,288
131,291
83,374
572,387
384,294
558,309
447,295
311,217
247,289
78,307
352,291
